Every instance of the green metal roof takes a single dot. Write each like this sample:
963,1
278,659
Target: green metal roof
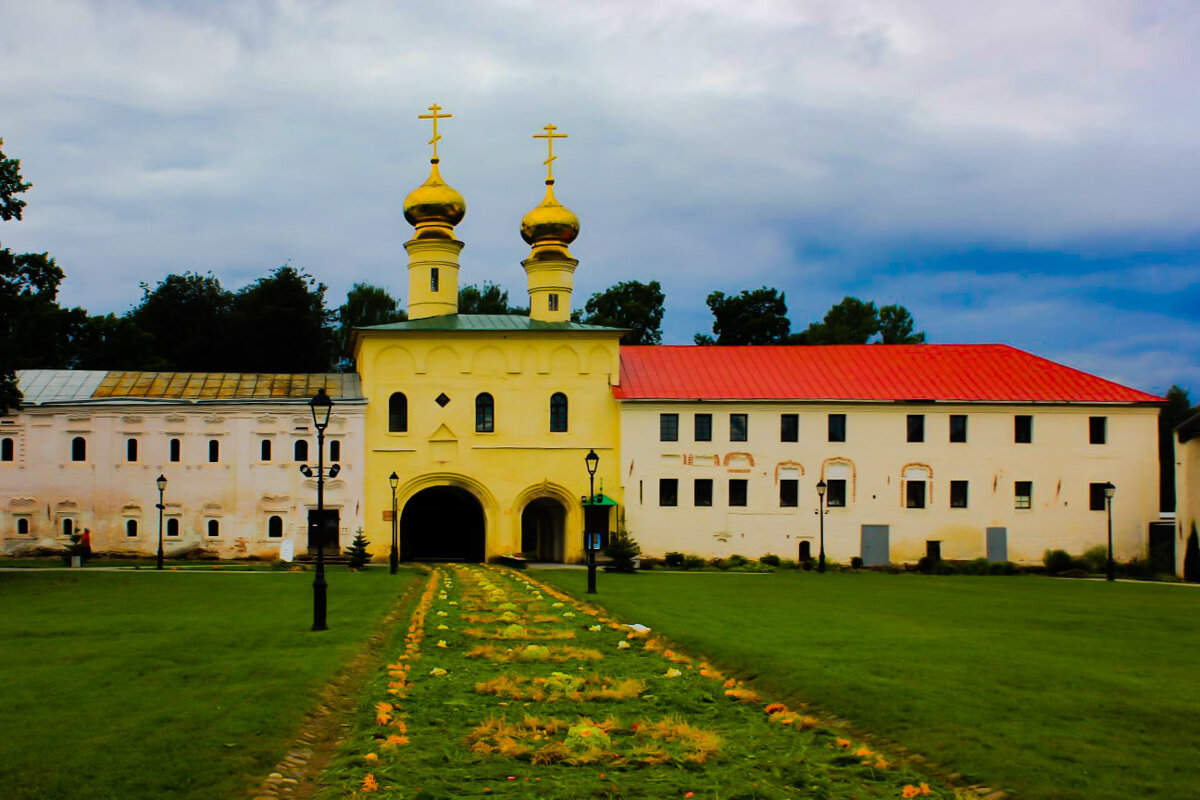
488,322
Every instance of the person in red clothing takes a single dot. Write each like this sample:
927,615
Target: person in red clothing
85,541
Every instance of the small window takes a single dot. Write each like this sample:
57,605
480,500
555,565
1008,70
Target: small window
275,527
214,451
958,427
68,526
485,413
1023,492
264,450
835,492
22,525
7,448
558,412
916,427
958,494
398,413
805,551
668,492
789,427
1097,430
1096,499
79,449
739,428
1023,429
131,450
737,491
173,526
703,424
174,450
933,549
131,527
914,494
668,427
214,528
789,493
837,427
552,301
702,492
300,450
433,279
335,450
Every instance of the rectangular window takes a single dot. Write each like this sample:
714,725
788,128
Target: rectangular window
1097,430
914,494
264,450
433,279
1023,429
789,427
703,428
1096,498
703,492
668,492
131,448
174,448
933,549
552,301
958,427
739,428
835,493
789,493
668,427
1023,493
837,427
335,451
916,427
7,448
737,491
214,451
958,494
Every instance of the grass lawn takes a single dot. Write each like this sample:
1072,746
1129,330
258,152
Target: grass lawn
1047,688
130,685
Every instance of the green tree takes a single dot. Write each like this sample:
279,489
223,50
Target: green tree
365,306
357,553
11,185
282,325
1170,415
190,319
111,342
751,317
631,304
896,326
491,299
13,280
849,322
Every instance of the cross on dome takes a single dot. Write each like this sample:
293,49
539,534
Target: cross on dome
435,116
550,136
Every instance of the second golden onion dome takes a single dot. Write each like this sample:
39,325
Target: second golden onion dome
550,221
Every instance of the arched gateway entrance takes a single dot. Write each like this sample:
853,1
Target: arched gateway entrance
442,523
543,530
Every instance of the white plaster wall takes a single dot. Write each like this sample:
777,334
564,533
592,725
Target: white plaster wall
240,491
1060,462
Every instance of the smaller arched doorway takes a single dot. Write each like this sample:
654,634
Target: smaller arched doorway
442,523
543,530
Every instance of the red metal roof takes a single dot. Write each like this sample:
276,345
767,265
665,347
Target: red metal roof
873,372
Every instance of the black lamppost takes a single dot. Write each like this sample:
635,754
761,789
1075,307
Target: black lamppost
1109,491
161,482
394,481
321,406
592,461
821,486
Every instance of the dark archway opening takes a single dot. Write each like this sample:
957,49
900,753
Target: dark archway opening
543,530
442,523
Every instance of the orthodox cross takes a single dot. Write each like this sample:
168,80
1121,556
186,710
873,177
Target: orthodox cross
549,136
435,116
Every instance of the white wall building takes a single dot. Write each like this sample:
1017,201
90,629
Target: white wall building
87,447
1187,485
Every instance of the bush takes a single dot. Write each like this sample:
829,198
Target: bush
944,568
926,564
1136,568
736,560
1056,561
719,563
787,563
623,550
1002,568
1191,558
693,562
856,562
1095,559
1075,572
770,559
673,560
649,562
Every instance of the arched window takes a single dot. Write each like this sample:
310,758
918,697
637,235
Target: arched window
131,527
6,449
214,451
68,526
275,527
485,413
398,413
335,450
173,526
22,525
265,450
558,412
174,448
79,449
131,449
300,450
214,528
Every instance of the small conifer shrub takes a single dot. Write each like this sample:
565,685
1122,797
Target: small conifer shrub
1191,558
357,551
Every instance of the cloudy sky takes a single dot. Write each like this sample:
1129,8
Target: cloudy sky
1024,172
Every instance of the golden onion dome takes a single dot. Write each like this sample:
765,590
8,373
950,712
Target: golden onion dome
550,221
434,202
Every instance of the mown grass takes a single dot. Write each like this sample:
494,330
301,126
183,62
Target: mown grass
1049,688
131,685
